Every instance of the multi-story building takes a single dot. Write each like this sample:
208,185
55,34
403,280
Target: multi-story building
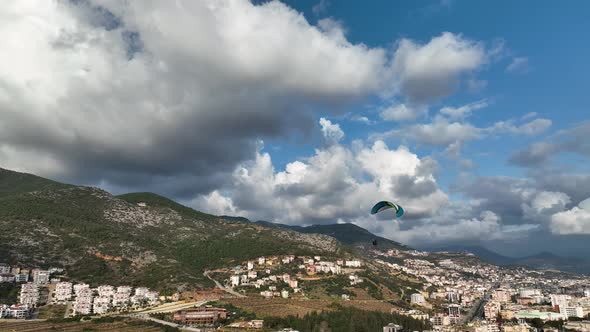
572,312
152,297
80,287
200,316
63,292
121,299
124,289
417,298
101,304
138,300
6,277
353,263
501,295
491,310
235,280
141,291
106,291
21,277
41,277
529,292
4,268
454,312
440,320
3,310
83,303
559,301
29,294
19,311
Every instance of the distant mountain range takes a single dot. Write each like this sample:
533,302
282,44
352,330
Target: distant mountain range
543,260
352,235
149,240
348,234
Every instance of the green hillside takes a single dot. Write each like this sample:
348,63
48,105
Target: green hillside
101,238
348,234
14,183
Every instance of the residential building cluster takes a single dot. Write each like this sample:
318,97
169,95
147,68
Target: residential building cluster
261,273
40,287
465,290
107,298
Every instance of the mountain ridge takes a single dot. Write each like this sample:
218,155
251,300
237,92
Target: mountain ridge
541,260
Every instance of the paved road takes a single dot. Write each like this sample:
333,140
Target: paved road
477,311
174,306
163,322
220,286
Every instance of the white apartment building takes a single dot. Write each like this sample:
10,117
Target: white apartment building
560,300
141,291
353,263
80,287
4,268
83,303
124,289
101,304
121,299
106,291
572,312
529,292
21,277
417,298
235,280
152,297
29,294
41,277
63,292
19,311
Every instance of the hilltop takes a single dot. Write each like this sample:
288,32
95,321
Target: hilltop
347,233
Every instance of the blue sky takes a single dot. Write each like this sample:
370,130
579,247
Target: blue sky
471,115
550,37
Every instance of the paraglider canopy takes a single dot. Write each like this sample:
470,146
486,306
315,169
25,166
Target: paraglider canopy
385,205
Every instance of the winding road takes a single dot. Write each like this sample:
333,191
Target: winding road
220,286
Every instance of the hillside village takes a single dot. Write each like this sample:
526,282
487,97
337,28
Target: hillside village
456,290
39,287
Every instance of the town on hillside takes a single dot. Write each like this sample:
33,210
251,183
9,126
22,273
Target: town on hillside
442,291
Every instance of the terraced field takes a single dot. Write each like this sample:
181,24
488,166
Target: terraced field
118,326
285,307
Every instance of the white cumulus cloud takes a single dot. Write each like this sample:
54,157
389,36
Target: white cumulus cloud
429,71
574,221
331,131
402,112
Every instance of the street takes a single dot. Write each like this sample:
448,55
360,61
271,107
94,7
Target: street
220,286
